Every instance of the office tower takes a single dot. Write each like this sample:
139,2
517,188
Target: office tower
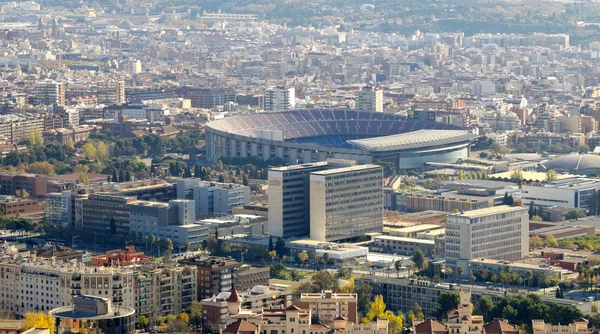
370,99
49,92
346,203
498,233
111,92
107,214
213,197
280,98
289,205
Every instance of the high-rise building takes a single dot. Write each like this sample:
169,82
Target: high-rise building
107,214
289,205
280,98
370,99
111,92
497,233
49,92
215,275
346,203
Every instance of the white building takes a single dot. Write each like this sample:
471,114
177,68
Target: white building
498,233
569,193
280,98
213,197
370,99
346,203
49,92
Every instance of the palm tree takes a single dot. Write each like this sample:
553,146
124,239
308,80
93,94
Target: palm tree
151,240
447,272
460,271
325,259
528,277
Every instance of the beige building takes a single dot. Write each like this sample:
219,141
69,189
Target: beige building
578,326
498,233
327,305
111,92
46,284
346,203
370,99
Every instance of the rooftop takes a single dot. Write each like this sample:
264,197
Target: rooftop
414,139
418,241
489,211
345,169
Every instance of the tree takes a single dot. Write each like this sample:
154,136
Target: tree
83,178
21,193
376,309
143,321
574,215
102,151
196,314
81,169
485,305
509,313
398,266
271,247
551,175
114,176
167,255
418,310
460,271
551,241
187,246
272,254
364,293
517,176
537,218
245,180
303,257
89,150
41,168
38,320
323,280
419,259
325,260
344,273
531,210
583,149
70,143
410,318
184,316
121,176
221,179
536,242
151,240
446,302
280,247
169,245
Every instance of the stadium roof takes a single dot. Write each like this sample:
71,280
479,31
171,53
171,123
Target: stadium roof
415,139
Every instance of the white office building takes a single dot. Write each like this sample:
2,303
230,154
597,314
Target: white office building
498,233
569,193
346,203
213,197
370,99
280,98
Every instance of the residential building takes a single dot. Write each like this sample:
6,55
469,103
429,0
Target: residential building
327,306
462,320
111,92
346,203
370,99
60,208
280,98
208,98
498,233
131,66
106,214
175,220
578,326
49,92
215,275
247,277
34,184
256,299
289,199
213,197
93,312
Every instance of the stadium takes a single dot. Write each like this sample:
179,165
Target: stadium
304,136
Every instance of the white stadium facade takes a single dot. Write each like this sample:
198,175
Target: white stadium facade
311,135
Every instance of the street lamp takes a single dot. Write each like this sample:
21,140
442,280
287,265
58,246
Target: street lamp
244,252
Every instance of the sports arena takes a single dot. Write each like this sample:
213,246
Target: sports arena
304,136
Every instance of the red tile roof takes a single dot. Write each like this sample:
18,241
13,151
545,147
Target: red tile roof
430,326
240,327
499,326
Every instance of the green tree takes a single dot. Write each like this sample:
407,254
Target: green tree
418,259
143,321
550,241
187,246
196,315
446,302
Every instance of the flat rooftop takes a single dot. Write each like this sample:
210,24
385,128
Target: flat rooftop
299,167
418,228
489,211
403,239
345,169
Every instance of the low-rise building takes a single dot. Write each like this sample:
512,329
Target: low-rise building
578,326
401,245
93,312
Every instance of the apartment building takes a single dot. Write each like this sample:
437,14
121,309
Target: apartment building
255,300
280,98
98,210
328,306
578,326
498,233
289,204
45,284
370,99
34,184
346,203
247,277
111,92
213,197
215,275
208,98
49,92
